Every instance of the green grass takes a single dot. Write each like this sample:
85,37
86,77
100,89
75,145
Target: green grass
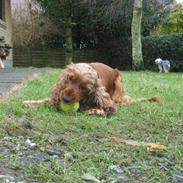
88,138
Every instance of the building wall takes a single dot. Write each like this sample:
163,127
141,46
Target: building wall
6,29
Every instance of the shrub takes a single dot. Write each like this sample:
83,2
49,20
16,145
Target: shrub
174,22
118,52
166,47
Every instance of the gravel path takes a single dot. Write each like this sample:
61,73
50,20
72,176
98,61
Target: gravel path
11,79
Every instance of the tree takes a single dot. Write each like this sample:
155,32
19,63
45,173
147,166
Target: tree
30,27
97,23
137,58
62,13
154,12
174,21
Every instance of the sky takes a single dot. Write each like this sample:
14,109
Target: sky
179,1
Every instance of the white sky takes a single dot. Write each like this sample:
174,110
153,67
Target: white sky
179,1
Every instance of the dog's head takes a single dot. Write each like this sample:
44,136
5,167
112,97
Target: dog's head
158,60
75,88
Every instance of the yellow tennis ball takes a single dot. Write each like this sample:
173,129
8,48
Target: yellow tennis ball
69,107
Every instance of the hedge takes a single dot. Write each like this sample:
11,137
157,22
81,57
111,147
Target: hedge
166,47
118,52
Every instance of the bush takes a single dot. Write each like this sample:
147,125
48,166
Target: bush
118,52
174,22
166,47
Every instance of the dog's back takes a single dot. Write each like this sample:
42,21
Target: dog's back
107,75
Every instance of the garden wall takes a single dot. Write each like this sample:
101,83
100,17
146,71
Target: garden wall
53,57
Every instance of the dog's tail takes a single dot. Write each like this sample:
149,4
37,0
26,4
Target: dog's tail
36,103
126,100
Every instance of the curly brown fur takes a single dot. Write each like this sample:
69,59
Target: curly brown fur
96,86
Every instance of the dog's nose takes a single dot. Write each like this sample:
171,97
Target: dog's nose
66,99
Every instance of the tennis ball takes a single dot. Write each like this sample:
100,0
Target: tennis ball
69,107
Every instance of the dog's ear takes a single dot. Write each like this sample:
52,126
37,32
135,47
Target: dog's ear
116,73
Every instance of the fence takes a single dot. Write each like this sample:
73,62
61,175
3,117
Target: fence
53,57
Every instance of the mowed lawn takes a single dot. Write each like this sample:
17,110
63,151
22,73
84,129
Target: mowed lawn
85,141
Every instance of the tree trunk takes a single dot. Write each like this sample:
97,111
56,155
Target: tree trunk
69,47
137,58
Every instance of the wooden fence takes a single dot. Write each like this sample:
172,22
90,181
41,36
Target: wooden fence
52,57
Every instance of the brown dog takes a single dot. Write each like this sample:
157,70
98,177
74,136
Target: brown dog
96,86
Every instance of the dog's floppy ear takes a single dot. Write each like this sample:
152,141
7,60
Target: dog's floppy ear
116,73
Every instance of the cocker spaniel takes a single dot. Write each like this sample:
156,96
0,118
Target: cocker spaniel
96,86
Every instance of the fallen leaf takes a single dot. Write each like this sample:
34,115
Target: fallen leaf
150,146
91,178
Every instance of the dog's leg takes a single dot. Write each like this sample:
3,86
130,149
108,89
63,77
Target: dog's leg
35,103
95,111
160,68
166,68
1,64
119,97
126,100
103,100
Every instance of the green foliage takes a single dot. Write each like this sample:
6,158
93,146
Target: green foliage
174,22
59,10
62,12
166,47
91,20
118,52
153,14
101,20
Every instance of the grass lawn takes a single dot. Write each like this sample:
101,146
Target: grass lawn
84,142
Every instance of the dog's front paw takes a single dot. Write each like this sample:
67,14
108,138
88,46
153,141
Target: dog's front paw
29,104
96,111
26,104
111,109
